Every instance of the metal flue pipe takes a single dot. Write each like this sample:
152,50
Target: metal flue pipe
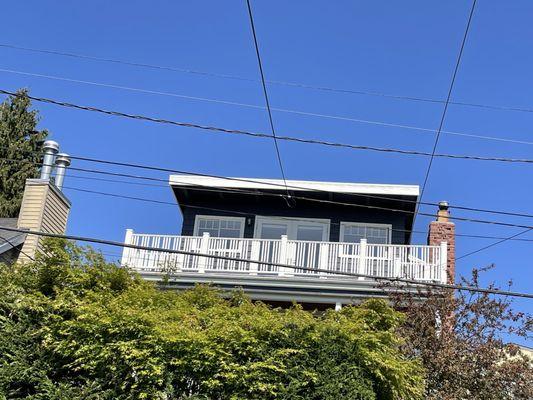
62,162
50,148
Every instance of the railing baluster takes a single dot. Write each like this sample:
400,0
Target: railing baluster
362,258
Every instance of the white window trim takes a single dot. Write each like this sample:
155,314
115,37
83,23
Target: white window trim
220,218
345,224
274,219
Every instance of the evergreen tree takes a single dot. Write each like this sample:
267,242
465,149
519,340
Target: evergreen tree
19,141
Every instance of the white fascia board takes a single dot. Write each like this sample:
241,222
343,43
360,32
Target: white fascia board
277,184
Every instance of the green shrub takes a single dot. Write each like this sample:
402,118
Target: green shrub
75,327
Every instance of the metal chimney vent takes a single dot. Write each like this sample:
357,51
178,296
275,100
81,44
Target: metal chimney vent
62,162
50,148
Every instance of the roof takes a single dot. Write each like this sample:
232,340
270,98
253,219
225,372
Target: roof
9,239
294,185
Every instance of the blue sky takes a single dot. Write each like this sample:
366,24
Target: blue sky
405,48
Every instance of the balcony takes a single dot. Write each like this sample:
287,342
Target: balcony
311,261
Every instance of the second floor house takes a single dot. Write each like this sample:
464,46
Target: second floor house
319,243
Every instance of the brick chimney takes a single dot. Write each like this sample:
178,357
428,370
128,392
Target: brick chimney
44,206
442,230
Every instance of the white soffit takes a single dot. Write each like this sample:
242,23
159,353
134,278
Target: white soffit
277,184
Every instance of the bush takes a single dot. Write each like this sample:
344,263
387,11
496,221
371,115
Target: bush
75,327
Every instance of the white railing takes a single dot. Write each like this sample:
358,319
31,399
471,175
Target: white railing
424,263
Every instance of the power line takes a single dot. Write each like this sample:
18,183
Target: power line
500,240
326,201
274,82
166,186
276,195
174,204
494,244
263,135
465,208
267,102
248,180
277,109
448,97
279,265
247,214
388,209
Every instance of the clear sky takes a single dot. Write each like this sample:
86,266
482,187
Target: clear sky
405,48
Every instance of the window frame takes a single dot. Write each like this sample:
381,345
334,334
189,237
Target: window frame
198,217
345,224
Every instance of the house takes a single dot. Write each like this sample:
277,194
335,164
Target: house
294,243
44,208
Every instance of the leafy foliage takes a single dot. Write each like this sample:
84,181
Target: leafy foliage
458,337
19,140
75,327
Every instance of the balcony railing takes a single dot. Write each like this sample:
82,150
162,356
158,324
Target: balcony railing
320,259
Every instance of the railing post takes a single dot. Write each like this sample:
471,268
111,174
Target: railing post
126,251
323,258
362,258
443,262
177,259
397,268
204,248
283,255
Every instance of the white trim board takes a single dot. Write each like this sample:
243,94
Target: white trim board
294,185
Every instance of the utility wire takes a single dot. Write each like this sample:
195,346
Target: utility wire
174,204
166,186
448,97
248,180
502,240
267,102
277,109
494,244
323,201
264,135
274,82
292,186
116,195
279,265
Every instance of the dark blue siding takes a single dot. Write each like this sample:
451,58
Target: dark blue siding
197,202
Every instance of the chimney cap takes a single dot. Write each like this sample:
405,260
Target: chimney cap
63,159
51,145
443,205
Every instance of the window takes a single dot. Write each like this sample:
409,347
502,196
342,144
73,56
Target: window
217,226
310,232
353,232
273,231
295,228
